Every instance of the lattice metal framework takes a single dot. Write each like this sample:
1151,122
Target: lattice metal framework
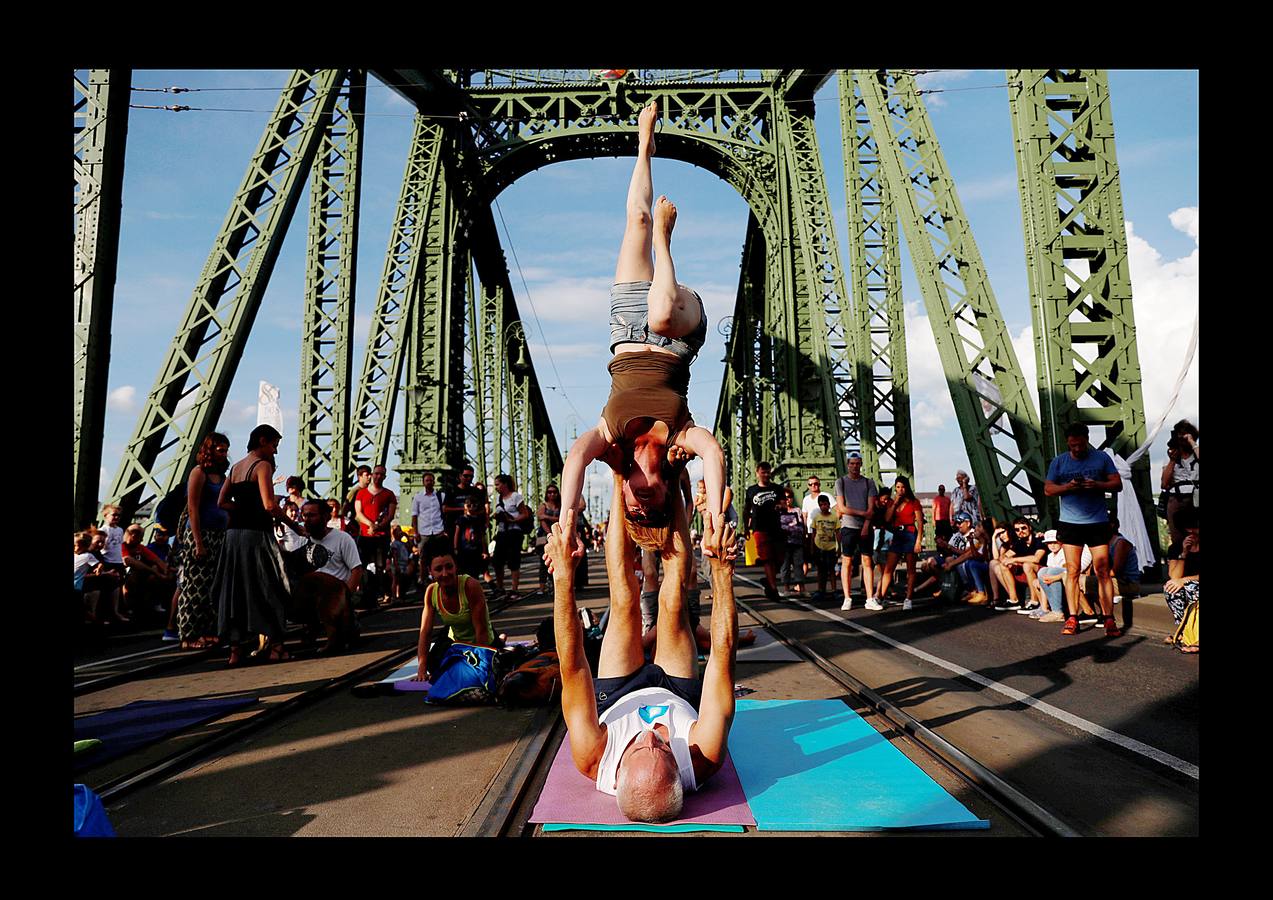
197,371
331,267
1076,256
1000,426
883,393
101,129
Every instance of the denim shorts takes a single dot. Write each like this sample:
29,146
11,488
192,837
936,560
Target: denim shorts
629,321
903,542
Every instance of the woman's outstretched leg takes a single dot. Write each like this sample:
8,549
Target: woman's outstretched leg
635,261
673,309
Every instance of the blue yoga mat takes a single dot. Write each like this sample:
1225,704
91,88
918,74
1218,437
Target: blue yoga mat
816,765
143,722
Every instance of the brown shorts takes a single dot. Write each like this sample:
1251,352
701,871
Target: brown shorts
769,547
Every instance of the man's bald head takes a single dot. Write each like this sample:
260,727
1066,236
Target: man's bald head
648,787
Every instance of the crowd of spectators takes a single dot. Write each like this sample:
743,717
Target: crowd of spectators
1074,574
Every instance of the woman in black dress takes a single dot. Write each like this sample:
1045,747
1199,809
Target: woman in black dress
251,585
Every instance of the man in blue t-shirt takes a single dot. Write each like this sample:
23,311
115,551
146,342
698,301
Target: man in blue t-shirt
1080,478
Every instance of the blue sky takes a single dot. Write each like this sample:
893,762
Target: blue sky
564,225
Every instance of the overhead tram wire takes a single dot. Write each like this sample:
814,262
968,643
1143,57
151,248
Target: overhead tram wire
535,313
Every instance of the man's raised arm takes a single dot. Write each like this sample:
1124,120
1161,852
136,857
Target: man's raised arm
716,711
578,700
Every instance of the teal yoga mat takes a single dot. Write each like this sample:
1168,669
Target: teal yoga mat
816,765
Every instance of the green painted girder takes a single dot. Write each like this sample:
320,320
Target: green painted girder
101,132
386,341
881,377
434,376
328,323
821,353
992,404
189,394
1076,254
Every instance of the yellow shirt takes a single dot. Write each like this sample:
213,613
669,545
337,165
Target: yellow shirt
825,526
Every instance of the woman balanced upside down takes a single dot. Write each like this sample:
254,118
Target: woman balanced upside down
657,327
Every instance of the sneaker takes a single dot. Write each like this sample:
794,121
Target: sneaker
872,603
1006,605
1088,619
173,636
906,604
1051,617
1071,626
847,604
1111,628
1118,598
1039,612
1029,610
978,598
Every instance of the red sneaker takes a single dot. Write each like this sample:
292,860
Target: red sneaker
1111,627
1071,625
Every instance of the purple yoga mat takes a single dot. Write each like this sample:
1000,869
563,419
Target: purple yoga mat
571,798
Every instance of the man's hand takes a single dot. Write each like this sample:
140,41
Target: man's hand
557,552
677,456
722,537
714,531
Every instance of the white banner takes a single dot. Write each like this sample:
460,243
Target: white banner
268,411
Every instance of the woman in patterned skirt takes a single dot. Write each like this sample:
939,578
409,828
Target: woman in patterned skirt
202,530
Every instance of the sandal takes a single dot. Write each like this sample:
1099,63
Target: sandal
1188,648
278,653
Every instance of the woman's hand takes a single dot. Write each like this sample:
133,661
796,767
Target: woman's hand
678,455
1172,586
714,531
558,552
200,551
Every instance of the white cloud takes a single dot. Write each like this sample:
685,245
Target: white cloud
582,350
565,299
1165,297
979,189
122,399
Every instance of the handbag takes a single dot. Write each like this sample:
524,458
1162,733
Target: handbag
1161,506
465,675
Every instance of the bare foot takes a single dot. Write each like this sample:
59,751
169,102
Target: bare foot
645,126
664,217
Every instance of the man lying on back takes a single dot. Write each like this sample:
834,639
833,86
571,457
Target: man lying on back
648,733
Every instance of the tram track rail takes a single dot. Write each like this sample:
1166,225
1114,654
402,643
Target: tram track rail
122,785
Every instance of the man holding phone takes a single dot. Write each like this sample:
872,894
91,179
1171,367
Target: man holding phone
1080,478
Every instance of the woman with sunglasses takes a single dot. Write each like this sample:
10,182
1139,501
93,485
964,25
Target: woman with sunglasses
657,327
549,513
905,519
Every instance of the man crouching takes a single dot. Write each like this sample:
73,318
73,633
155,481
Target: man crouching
648,733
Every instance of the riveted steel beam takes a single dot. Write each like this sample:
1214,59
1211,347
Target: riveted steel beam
197,372
101,131
328,323
999,424
1076,254
879,332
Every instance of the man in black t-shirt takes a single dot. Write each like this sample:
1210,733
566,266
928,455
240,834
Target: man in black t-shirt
1020,562
760,512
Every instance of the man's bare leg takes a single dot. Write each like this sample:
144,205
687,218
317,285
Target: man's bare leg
621,651
1104,580
635,260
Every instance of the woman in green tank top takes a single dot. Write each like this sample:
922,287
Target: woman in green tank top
457,601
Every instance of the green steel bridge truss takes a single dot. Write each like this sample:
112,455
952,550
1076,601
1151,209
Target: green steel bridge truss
810,369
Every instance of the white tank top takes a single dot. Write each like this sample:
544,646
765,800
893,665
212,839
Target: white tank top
640,711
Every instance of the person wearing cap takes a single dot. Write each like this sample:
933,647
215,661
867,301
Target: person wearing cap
1080,478
1052,579
968,557
855,499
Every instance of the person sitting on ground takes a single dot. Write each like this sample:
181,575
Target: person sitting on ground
295,486
826,526
86,567
458,602
149,582
1052,579
647,733
1124,563
159,544
285,531
1019,564
334,518
329,589
968,558
932,567
105,580
1183,561
657,327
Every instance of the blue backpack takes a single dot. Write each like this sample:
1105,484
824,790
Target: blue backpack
466,675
